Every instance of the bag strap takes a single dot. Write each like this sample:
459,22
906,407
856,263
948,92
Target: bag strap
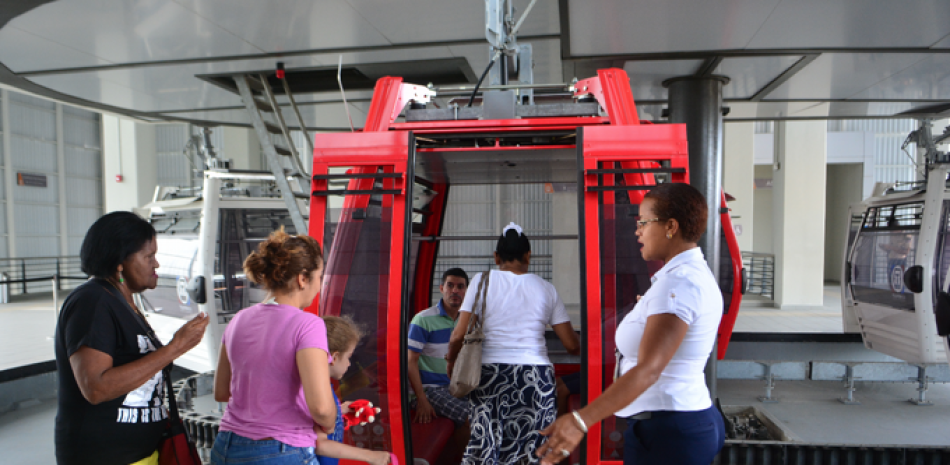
481,297
172,402
167,371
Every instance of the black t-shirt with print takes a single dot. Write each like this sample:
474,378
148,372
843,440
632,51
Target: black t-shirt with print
118,431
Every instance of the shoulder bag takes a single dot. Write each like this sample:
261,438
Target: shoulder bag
467,372
176,447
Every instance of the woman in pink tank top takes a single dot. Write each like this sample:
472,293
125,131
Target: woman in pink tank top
273,367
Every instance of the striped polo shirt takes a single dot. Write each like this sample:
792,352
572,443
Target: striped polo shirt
429,334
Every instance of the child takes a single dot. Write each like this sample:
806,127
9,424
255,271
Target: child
342,337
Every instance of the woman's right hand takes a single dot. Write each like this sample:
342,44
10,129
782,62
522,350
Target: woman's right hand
190,334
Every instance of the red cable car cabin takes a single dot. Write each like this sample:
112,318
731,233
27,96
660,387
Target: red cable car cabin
382,249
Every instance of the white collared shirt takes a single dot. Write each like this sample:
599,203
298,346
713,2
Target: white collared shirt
686,288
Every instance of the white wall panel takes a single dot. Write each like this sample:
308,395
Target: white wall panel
83,192
33,154
83,162
75,244
81,132
79,220
3,222
37,246
35,220
30,116
3,184
44,195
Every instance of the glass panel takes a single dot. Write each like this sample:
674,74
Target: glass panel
176,256
356,285
625,275
943,258
240,231
885,247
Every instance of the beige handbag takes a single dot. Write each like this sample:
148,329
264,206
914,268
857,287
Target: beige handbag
467,372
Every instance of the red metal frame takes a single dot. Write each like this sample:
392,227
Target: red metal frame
732,312
428,251
617,140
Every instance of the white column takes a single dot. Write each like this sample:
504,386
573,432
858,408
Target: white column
243,149
8,172
128,149
799,212
738,178
61,176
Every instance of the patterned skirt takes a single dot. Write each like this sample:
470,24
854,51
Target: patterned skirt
512,404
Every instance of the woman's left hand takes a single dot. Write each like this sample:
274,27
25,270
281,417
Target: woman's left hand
345,407
563,437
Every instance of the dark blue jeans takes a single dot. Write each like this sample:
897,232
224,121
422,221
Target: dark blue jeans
229,448
674,438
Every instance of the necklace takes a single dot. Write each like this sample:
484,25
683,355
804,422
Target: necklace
126,299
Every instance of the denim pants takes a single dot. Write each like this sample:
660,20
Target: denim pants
674,438
229,448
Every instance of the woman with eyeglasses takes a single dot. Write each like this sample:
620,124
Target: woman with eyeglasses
663,345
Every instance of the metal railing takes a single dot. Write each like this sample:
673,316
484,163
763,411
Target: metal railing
20,276
760,269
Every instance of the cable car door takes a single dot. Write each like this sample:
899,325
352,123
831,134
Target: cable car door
618,164
364,242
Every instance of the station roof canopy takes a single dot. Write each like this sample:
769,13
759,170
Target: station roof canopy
786,59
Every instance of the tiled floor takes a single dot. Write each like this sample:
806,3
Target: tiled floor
756,315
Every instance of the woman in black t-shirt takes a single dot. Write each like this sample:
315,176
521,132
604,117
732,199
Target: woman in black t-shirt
111,385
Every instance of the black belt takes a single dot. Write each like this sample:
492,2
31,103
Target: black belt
641,416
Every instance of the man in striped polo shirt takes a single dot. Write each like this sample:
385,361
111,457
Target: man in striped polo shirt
429,334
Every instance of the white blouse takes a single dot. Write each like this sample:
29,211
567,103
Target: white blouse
519,309
686,288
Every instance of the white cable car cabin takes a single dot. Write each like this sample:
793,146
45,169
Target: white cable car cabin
896,263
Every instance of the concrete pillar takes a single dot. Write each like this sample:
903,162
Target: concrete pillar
61,178
697,101
738,179
243,149
8,172
129,150
798,205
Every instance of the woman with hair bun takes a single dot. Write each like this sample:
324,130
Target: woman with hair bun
663,344
516,397
273,367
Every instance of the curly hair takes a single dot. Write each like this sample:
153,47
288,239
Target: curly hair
281,258
683,203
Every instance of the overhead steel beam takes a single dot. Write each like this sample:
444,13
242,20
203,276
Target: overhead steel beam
785,76
282,54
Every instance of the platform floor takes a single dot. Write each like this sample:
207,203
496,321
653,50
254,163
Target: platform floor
27,326
809,409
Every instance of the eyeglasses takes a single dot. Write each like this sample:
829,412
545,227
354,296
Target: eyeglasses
643,223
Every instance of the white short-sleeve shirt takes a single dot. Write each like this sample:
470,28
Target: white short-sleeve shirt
518,310
686,288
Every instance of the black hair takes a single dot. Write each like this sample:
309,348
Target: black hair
111,240
457,272
512,246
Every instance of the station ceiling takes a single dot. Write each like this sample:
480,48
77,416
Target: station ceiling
786,59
